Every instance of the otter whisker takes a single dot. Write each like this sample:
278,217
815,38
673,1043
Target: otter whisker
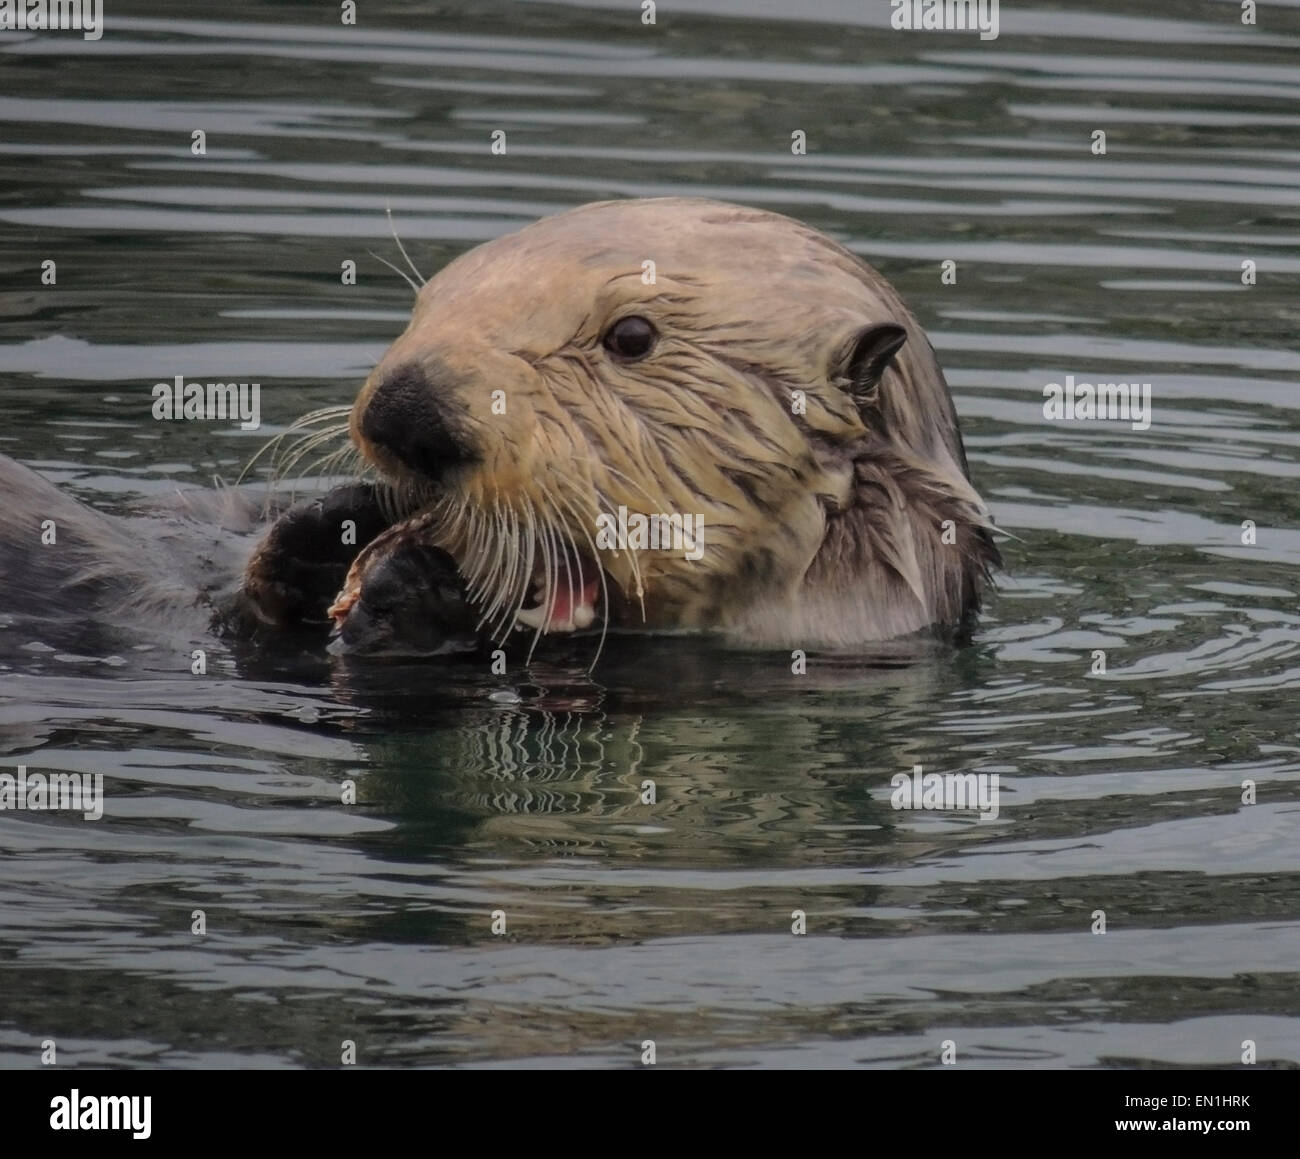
355,463
604,587
994,529
518,578
474,539
563,565
388,209
631,556
505,562
388,500
312,418
544,549
498,529
553,529
511,555
398,500
530,534
312,439
318,468
390,503
633,560
499,556
482,540
466,526
487,548
654,502
300,450
322,414
476,551
537,537
289,472
564,531
338,460
401,273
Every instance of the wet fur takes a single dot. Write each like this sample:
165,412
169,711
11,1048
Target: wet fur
163,573
823,528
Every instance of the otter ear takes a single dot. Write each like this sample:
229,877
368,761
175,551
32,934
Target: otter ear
873,350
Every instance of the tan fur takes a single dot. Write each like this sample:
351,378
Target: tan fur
821,528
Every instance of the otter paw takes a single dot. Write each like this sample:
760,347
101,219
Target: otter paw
304,556
403,597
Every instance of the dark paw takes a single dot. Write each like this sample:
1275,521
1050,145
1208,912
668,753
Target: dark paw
303,559
407,600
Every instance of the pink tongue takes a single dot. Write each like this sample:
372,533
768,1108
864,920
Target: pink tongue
572,590
568,595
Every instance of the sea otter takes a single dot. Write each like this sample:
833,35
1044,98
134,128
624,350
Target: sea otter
670,362
681,357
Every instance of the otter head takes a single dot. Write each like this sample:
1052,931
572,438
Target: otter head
680,413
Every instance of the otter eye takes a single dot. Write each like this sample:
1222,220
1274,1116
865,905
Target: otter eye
630,338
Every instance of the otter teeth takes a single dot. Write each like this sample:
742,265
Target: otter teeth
566,609
582,616
531,618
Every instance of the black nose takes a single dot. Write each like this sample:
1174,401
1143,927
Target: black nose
408,417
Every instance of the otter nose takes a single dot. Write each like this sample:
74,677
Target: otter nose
408,418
